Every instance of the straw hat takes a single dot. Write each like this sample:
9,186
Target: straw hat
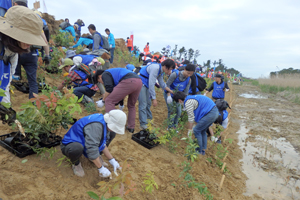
23,25
116,121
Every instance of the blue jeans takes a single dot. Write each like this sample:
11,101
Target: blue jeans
112,50
173,122
202,126
144,106
29,62
2,12
83,90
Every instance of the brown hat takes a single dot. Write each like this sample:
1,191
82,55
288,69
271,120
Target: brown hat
24,25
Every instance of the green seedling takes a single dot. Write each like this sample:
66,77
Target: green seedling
149,182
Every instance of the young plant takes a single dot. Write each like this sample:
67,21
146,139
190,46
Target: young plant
53,110
190,150
64,159
121,182
44,151
95,196
149,182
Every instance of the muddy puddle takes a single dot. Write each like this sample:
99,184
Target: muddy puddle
271,164
253,96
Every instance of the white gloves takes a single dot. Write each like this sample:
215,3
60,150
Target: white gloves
110,46
227,90
204,94
190,132
169,100
121,107
115,164
100,103
104,172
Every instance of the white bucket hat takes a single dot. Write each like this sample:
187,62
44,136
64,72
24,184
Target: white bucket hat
116,121
23,25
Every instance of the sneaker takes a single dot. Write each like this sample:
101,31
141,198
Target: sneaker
143,127
87,99
131,130
78,170
203,152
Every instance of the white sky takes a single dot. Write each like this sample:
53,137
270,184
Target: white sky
253,36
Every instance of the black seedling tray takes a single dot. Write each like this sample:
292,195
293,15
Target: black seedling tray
141,138
28,151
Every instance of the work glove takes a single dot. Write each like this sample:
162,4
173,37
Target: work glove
46,59
110,46
104,172
7,115
100,103
169,100
115,165
227,90
204,94
190,132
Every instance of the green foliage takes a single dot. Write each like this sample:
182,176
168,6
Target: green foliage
93,195
126,57
63,159
218,130
285,71
53,110
190,150
149,182
47,153
189,181
90,108
63,39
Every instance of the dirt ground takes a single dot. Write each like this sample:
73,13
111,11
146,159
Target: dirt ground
43,179
269,138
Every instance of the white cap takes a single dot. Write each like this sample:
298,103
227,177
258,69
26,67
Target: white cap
116,121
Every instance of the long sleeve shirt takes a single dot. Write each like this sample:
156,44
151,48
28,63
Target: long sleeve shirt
97,41
182,78
190,106
93,136
71,30
83,41
153,70
111,40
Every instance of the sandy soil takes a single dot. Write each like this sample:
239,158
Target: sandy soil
42,179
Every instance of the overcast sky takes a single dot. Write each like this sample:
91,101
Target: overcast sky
252,36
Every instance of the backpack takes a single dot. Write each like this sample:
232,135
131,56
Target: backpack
222,105
64,25
201,83
137,70
90,71
105,43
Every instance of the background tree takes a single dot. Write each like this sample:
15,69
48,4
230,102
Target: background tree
196,55
190,54
181,52
175,50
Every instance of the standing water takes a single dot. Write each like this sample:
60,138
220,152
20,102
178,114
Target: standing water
273,173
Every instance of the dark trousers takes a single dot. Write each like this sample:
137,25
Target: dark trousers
83,90
112,50
73,151
29,62
129,49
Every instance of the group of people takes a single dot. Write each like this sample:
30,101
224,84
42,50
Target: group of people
91,135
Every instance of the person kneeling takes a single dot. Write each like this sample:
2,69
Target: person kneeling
203,111
88,136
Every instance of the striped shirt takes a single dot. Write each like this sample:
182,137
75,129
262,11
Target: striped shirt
190,106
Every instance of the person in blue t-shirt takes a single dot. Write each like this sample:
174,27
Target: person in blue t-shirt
112,45
219,87
203,111
83,41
